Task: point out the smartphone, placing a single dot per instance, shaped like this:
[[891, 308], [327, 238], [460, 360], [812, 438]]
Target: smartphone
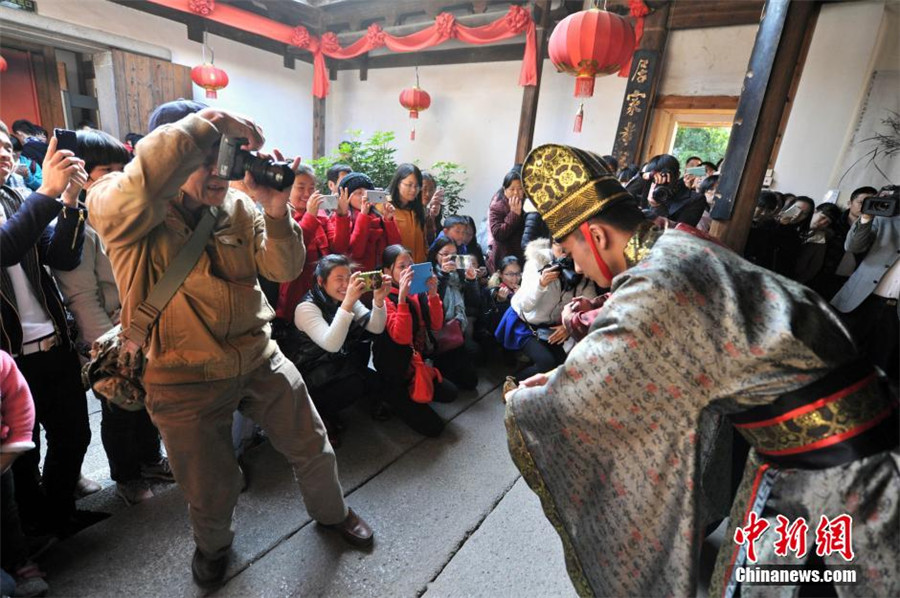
[[696, 171], [372, 280], [460, 260], [421, 273], [792, 211], [65, 139], [376, 195], [328, 202]]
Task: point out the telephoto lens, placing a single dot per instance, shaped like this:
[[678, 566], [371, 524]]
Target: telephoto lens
[[277, 175]]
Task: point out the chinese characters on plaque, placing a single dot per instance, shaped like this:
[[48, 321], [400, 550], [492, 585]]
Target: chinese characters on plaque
[[635, 113]]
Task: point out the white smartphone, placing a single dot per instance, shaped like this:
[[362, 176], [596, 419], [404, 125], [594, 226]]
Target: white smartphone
[[328, 202], [376, 195]]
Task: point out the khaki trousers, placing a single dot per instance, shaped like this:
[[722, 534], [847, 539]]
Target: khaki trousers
[[195, 423]]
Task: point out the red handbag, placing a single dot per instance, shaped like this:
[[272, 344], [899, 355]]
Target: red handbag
[[421, 386], [449, 337]]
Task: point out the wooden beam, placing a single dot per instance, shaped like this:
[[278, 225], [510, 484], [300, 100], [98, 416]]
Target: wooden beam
[[530, 95], [773, 66], [318, 127], [700, 14], [671, 102], [640, 94], [501, 52]]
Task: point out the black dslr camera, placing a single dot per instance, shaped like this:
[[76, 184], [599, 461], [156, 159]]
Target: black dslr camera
[[568, 277], [234, 162], [886, 204]]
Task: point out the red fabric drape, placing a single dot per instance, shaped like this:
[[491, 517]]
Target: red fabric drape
[[638, 10], [515, 22]]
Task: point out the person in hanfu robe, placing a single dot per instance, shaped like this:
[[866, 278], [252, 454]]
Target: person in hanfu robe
[[626, 443]]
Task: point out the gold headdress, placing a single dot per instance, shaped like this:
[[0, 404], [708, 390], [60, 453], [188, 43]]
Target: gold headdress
[[568, 186]]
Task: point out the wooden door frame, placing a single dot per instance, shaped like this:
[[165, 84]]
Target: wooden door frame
[[670, 110]]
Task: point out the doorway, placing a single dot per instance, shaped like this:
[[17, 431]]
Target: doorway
[[686, 126]]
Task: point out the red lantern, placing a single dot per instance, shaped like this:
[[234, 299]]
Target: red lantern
[[589, 44], [209, 77], [415, 100], [3, 65]]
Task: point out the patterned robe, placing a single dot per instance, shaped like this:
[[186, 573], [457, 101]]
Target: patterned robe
[[627, 445]]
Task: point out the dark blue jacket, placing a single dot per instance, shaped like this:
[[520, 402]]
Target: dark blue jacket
[[27, 239]]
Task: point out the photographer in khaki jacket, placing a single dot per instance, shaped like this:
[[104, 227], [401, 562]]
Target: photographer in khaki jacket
[[211, 352]]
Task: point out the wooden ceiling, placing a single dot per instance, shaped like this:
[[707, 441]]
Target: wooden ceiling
[[350, 18]]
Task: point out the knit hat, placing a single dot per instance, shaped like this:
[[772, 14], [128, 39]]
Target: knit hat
[[173, 111], [354, 180], [569, 185]]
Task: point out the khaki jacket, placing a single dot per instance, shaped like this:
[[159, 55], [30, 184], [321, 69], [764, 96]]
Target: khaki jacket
[[217, 324]]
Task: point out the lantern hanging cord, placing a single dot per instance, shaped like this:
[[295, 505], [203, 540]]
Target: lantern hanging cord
[[417, 75], [212, 55]]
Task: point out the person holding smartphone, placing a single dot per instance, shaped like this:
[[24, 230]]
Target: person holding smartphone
[[459, 292], [320, 238], [336, 331], [405, 190], [411, 322], [370, 231]]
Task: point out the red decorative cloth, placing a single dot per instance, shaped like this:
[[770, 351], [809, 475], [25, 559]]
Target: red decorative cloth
[[515, 22]]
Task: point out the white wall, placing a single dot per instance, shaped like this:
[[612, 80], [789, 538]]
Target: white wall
[[279, 99], [707, 62], [838, 68], [474, 117]]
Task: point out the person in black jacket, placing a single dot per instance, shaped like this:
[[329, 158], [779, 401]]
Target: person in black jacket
[[336, 331], [535, 228], [35, 332]]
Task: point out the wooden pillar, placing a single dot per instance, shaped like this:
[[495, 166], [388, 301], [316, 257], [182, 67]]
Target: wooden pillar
[[774, 64], [530, 94], [640, 94], [318, 127]]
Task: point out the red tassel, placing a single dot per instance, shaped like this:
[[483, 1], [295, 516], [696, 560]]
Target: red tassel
[[579, 118], [412, 133], [584, 87]]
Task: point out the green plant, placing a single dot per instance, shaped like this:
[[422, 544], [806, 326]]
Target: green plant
[[451, 177], [373, 156], [709, 143]]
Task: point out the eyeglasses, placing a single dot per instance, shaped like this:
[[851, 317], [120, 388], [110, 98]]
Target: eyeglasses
[[513, 274], [409, 186]]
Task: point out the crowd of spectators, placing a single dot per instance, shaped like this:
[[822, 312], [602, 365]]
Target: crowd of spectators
[[336, 284]]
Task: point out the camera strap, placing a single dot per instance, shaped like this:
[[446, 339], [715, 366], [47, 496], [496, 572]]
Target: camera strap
[[148, 311], [589, 239]]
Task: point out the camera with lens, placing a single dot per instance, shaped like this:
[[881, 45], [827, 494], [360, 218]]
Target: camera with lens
[[568, 277], [886, 204], [663, 195], [234, 163]]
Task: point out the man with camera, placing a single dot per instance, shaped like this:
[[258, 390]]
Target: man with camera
[[868, 299], [210, 351]]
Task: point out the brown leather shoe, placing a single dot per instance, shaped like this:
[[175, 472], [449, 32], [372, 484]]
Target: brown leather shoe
[[355, 530]]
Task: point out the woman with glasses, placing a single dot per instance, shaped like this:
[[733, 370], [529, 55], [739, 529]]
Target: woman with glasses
[[406, 195]]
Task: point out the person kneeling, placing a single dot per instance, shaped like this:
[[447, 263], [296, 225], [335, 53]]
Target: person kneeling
[[399, 353], [336, 331]]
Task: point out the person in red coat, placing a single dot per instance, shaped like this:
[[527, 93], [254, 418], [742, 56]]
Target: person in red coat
[[322, 236], [370, 231]]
